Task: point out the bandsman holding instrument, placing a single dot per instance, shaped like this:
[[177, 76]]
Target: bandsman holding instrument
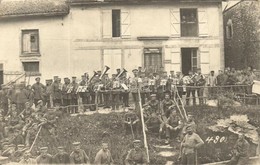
[[107, 86], [74, 95], [84, 93], [115, 92], [124, 81], [190, 82], [56, 93], [65, 95]]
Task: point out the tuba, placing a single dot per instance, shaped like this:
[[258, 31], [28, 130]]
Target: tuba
[[95, 73], [121, 73], [104, 72]]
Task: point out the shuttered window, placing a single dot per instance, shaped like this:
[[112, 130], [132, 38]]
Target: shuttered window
[[152, 58], [189, 22], [30, 41]]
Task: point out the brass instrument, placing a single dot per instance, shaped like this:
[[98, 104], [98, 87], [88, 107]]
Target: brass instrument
[[104, 72], [121, 73], [95, 73]]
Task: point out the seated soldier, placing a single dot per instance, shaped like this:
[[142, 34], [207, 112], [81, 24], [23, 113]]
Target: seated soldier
[[2, 127], [40, 107], [26, 159], [173, 127], [26, 113], [152, 106], [44, 157], [131, 122], [62, 157], [18, 154], [167, 105], [136, 155], [153, 123], [78, 156], [13, 123], [8, 151]]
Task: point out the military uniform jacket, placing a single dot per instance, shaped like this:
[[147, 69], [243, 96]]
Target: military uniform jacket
[[130, 117], [38, 89], [79, 157], [55, 91], [61, 158], [134, 85], [66, 95], [46, 159], [154, 106], [74, 91], [28, 161], [84, 94], [136, 157], [103, 158]]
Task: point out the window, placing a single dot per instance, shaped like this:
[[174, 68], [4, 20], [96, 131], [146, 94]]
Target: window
[[116, 23], [153, 58], [229, 29], [30, 41], [189, 22], [31, 67], [190, 60]]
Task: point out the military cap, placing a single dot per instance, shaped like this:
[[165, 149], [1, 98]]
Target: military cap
[[153, 95], [43, 148], [27, 102], [40, 101], [76, 143], [130, 108], [134, 70], [106, 74], [164, 71], [55, 77], [48, 80], [20, 145], [11, 145], [171, 70], [188, 128], [60, 147], [66, 78], [137, 141], [99, 71], [74, 77], [37, 78], [83, 75]]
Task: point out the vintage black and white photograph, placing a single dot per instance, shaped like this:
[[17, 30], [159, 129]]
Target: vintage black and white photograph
[[130, 82]]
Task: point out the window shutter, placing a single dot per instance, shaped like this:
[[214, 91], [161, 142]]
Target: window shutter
[[26, 43], [176, 59], [205, 60], [203, 23], [107, 23], [175, 22], [112, 59], [34, 42], [125, 24]]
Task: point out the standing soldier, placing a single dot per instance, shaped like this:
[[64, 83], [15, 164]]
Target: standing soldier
[[85, 94], [78, 156], [44, 157], [189, 81], [65, 95], [47, 93], [136, 155], [21, 97], [4, 100], [56, 93], [107, 86], [115, 92], [125, 92], [62, 157], [163, 86], [38, 89], [104, 157], [212, 82], [200, 82], [134, 86], [74, 95], [189, 145]]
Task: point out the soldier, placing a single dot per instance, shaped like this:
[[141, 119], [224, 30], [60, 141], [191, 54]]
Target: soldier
[[85, 96], [47, 93], [26, 159], [17, 156], [200, 82], [131, 122], [212, 82], [65, 95], [163, 86], [26, 113], [13, 123], [41, 108], [167, 105], [62, 157], [189, 145], [11, 92], [189, 81], [136, 155], [221, 78], [78, 156], [21, 97], [44, 157], [104, 157], [125, 93], [118, 71], [134, 86], [241, 151], [107, 86], [174, 126], [152, 106], [4, 100], [56, 93], [38, 89], [115, 92], [144, 87]]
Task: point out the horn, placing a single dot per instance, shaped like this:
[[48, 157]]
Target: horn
[[95, 73], [104, 72], [121, 73]]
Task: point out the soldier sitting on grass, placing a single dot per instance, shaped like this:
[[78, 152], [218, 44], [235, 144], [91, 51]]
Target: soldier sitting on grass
[[136, 155]]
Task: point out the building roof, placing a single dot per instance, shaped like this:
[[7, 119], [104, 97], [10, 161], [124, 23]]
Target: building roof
[[15, 8]]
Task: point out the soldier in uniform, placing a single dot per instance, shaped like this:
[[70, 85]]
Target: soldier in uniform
[[56, 93], [115, 92], [62, 157], [47, 93], [189, 81], [134, 86], [44, 157], [4, 100], [85, 96], [74, 95], [21, 97], [26, 159], [38, 89], [167, 105], [78, 156], [125, 94], [174, 126], [131, 122], [107, 86], [14, 122], [136, 155], [65, 95], [152, 106], [104, 157], [118, 71], [200, 82], [17, 155]]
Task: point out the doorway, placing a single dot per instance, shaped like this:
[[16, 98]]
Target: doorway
[[189, 60]]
